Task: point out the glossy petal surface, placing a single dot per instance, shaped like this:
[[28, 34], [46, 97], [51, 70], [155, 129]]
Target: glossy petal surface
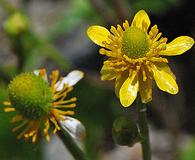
[[98, 35], [71, 79], [107, 73], [164, 79], [129, 89], [145, 90], [120, 79], [140, 17], [178, 46]]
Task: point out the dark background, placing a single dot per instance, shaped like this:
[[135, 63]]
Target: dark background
[[58, 40]]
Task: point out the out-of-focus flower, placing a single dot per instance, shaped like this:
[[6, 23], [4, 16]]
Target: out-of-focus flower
[[16, 24], [136, 57], [40, 105]]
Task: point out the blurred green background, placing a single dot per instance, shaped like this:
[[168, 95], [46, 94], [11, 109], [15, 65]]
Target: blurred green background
[[53, 36]]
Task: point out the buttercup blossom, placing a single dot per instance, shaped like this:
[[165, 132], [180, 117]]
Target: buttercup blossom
[[136, 57], [40, 105]]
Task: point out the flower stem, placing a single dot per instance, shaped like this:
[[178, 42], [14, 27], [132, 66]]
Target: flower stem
[[71, 144], [143, 126]]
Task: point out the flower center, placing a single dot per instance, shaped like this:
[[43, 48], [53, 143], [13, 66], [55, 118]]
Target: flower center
[[134, 43], [30, 95]]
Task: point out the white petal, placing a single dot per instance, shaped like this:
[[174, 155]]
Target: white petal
[[74, 127], [71, 79], [36, 72]]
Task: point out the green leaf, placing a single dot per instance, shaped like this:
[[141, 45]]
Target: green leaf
[[188, 153]]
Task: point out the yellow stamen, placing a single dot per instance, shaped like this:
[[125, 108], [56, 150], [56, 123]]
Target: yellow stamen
[[138, 68], [34, 138], [30, 134], [109, 53], [66, 106], [120, 30], [159, 59], [34, 131], [56, 126], [25, 130], [16, 118], [153, 32], [64, 101], [144, 73], [70, 100], [54, 77], [46, 123], [9, 109], [7, 103], [63, 93], [58, 116], [157, 37], [134, 61], [114, 31], [42, 72], [126, 24], [47, 137], [19, 126], [46, 129], [63, 112]]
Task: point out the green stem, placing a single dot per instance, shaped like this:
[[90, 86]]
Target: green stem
[[71, 145], [143, 126], [19, 51], [4, 76]]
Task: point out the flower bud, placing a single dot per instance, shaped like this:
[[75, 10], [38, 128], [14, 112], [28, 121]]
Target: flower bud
[[16, 24], [125, 131]]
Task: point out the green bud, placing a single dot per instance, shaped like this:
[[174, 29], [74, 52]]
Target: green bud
[[30, 95], [135, 43], [125, 132], [16, 24]]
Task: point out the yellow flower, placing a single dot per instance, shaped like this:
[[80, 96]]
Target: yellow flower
[[40, 105], [136, 57], [16, 24]]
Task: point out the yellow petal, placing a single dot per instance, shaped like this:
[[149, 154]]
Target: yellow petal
[[166, 68], [145, 90], [164, 78], [178, 46], [129, 89], [119, 82], [98, 35], [140, 18], [108, 73]]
